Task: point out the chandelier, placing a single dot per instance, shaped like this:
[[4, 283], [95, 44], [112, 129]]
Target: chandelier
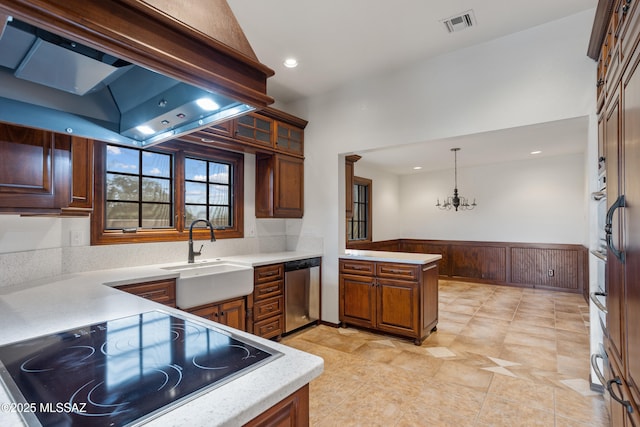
[[456, 201]]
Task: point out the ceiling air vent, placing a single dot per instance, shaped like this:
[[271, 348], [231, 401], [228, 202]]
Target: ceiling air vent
[[459, 22]]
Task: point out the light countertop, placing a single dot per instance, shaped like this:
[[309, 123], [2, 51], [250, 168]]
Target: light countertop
[[76, 300], [402, 257]]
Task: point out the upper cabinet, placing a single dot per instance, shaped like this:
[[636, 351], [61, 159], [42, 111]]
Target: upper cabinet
[[279, 186], [82, 177], [277, 140], [289, 138], [35, 170], [256, 129]]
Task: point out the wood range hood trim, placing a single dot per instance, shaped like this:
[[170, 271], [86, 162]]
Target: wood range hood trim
[[201, 44]]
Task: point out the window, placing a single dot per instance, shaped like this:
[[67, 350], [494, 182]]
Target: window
[[139, 189], [207, 192], [154, 195], [359, 226]]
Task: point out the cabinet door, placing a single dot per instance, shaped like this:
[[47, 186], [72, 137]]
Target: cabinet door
[[209, 312], [82, 160], [357, 300], [289, 138], [279, 186], [398, 306], [255, 128], [289, 187], [631, 218], [232, 313], [290, 411], [35, 170], [615, 269]]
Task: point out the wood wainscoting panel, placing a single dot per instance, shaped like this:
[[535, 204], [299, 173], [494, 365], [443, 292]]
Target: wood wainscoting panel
[[478, 262], [555, 266]]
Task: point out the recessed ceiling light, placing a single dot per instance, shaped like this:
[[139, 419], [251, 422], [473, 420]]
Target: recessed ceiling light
[[536, 152], [291, 63], [417, 168]]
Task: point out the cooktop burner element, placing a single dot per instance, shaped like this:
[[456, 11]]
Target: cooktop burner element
[[123, 371]]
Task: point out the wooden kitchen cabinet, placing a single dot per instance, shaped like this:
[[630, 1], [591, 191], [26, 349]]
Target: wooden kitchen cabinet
[[35, 170], [255, 129], [397, 298], [279, 186], [289, 138], [231, 312], [292, 411], [82, 176], [268, 301], [619, 50], [161, 291]]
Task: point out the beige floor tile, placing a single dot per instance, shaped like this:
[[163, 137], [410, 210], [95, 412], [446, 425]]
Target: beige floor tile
[[524, 338], [479, 345], [461, 374], [523, 392], [480, 368], [531, 356], [500, 412]]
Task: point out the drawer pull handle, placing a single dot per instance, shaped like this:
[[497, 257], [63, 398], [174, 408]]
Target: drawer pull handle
[[267, 290], [624, 403]]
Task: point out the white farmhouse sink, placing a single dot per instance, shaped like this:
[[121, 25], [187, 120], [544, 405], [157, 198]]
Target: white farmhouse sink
[[213, 281]]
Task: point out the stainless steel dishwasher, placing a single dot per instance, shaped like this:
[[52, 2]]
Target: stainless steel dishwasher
[[301, 293]]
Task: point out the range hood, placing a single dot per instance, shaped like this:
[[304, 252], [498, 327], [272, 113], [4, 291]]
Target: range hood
[[129, 72]]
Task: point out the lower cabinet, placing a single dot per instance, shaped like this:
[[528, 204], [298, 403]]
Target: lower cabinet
[[267, 301], [400, 299], [231, 312], [162, 291], [293, 410], [619, 397]]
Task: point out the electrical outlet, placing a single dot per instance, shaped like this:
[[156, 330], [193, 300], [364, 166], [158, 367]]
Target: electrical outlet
[[551, 272], [76, 237]]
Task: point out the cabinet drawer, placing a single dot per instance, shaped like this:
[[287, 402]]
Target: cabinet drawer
[[268, 308], [268, 273], [363, 268], [398, 271], [269, 328], [162, 291], [268, 290]]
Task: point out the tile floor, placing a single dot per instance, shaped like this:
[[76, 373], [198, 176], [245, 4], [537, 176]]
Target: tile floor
[[501, 356]]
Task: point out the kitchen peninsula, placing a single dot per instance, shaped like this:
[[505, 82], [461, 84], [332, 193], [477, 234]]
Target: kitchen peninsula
[[48, 307], [392, 292]]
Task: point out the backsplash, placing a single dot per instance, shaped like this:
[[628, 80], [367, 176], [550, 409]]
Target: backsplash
[[72, 254]]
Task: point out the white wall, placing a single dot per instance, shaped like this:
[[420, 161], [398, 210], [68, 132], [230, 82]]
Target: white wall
[[535, 201], [538, 75]]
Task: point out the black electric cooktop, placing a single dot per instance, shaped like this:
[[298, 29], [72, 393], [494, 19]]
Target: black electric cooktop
[[122, 372]]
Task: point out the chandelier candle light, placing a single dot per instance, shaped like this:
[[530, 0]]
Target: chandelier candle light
[[456, 201]]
